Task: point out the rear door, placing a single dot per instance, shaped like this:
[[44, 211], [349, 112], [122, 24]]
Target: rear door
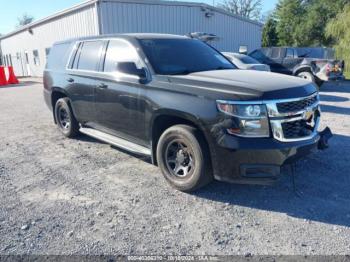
[[82, 79], [119, 107], [291, 60], [276, 56]]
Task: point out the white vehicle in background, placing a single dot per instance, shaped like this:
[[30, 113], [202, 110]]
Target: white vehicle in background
[[245, 62]]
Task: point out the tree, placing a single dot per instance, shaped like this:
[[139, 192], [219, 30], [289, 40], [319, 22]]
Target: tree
[[303, 22], [289, 14], [269, 35], [24, 20], [318, 14], [338, 29], [247, 8]]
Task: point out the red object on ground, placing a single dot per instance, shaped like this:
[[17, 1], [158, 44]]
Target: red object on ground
[[12, 77], [3, 80]]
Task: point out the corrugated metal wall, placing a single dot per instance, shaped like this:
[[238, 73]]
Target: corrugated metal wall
[[124, 17], [82, 22]]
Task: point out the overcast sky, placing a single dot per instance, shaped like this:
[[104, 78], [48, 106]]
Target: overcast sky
[[42, 8]]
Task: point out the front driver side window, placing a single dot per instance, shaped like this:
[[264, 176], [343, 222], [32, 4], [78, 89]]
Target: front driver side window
[[120, 51]]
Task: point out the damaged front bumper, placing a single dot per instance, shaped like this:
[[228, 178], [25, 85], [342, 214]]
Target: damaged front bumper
[[259, 161]]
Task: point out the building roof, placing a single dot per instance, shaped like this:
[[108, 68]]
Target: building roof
[[153, 2], [131, 35]]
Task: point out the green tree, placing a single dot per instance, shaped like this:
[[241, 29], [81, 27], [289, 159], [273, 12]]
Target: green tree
[[318, 14], [247, 8], [339, 29], [289, 14], [269, 35], [24, 20], [303, 22]]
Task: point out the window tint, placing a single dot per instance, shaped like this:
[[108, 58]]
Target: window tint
[[258, 55], [246, 59], [58, 56], [90, 55], [290, 53], [183, 56], [275, 53], [120, 51], [36, 58]]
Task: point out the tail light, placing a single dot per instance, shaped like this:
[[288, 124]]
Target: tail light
[[328, 69]]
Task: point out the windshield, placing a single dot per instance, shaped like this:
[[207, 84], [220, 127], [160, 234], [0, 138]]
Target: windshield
[[183, 56], [246, 59]]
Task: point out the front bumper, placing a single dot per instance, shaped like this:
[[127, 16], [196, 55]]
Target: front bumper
[[257, 161]]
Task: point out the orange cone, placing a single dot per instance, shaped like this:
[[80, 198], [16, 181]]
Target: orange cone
[[12, 77], [3, 80]]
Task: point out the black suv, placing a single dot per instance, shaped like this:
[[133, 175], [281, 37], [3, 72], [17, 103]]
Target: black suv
[[182, 103], [314, 64]]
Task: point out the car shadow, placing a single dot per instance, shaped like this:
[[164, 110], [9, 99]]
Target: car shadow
[[335, 109], [330, 98], [322, 192], [338, 86]]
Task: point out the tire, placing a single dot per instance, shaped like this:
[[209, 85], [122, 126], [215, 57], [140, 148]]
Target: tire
[[319, 82], [307, 76], [66, 122], [183, 157]]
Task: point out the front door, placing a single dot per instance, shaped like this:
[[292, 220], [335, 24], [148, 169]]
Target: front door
[[118, 104]]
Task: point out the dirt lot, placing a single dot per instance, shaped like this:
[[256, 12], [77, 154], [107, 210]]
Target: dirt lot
[[61, 196]]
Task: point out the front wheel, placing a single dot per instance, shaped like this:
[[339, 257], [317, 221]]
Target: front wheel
[[183, 157], [65, 119]]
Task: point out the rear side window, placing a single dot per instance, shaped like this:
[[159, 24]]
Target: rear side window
[[90, 55], [275, 53], [58, 56], [120, 51], [290, 53]]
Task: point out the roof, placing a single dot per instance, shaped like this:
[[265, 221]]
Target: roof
[[133, 35], [152, 2]]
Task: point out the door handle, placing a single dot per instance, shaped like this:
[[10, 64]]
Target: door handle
[[102, 86], [70, 80]]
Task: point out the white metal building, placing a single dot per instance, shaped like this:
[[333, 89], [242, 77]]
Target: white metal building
[[27, 48]]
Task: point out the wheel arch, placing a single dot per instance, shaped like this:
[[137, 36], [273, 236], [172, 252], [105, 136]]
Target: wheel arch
[[164, 119], [57, 93], [304, 68]]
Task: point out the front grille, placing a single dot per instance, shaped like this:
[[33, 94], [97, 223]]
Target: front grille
[[296, 106], [296, 129], [294, 120]]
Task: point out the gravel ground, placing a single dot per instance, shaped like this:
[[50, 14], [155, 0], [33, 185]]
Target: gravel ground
[[61, 196]]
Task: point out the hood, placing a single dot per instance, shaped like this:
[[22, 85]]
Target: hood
[[247, 84]]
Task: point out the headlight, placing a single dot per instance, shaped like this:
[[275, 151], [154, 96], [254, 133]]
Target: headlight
[[248, 120]]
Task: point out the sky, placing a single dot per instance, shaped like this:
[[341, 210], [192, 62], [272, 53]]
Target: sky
[[12, 9]]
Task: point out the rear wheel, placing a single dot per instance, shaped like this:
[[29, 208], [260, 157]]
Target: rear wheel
[[65, 119], [184, 159]]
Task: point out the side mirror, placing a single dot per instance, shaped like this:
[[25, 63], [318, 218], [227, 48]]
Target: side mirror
[[130, 68]]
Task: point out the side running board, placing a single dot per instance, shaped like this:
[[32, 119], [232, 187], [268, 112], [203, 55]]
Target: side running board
[[116, 141]]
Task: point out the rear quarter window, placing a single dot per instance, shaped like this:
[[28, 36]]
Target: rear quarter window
[[90, 55], [58, 57]]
